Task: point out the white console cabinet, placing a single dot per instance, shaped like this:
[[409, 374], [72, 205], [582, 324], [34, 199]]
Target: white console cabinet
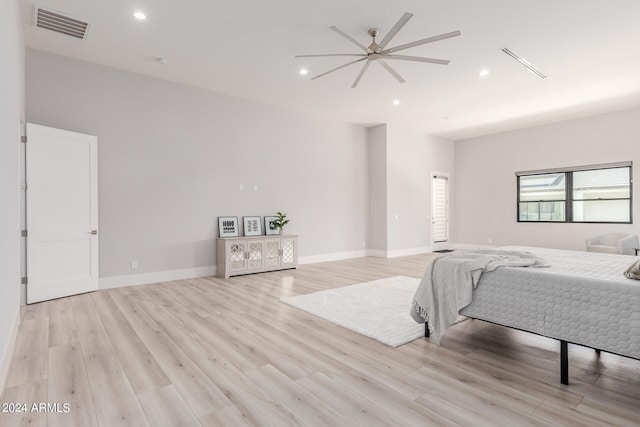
[[255, 254]]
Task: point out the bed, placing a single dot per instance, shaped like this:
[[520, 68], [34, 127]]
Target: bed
[[582, 298]]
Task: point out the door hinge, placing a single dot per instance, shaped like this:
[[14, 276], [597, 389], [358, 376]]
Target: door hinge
[[24, 233], [23, 139], [24, 281]]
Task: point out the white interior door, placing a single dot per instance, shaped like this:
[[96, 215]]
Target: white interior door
[[440, 211], [62, 213]]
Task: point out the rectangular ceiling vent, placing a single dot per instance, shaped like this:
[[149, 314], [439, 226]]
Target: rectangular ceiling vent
[[60, 23], [526, 63]]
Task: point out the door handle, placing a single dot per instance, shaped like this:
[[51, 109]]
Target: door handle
[[94, 232]]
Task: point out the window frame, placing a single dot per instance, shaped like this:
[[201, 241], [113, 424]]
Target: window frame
[[568, 193]]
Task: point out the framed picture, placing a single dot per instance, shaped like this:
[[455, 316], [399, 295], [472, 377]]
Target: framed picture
[[252, 226], [228, 226], [269, 225]]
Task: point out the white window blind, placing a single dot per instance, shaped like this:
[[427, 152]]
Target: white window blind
[[440, 209]]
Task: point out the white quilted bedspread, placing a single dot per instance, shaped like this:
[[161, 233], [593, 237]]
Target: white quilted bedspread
[[583, 298]]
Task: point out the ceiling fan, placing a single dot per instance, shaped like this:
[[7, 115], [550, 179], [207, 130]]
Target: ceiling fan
[[376, 52]]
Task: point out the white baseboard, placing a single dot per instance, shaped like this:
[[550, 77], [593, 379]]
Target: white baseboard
[[155, 277], [398, 253], [377, 253], [408, 252], [337, 256], [190, 273], [7, 356]]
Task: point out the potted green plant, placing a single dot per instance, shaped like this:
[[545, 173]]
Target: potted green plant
[[280, 221]]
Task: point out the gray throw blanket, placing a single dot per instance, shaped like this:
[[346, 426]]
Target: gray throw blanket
[[448, 283]]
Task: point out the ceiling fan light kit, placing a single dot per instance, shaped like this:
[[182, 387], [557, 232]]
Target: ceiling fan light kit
[[376, 52]]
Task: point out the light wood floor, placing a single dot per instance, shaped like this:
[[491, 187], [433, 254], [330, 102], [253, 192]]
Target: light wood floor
[[217, 352]]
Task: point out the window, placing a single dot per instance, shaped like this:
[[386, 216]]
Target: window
[[599, 193], [542, 197]]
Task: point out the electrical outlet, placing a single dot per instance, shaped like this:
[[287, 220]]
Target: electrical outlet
[[134, 265]]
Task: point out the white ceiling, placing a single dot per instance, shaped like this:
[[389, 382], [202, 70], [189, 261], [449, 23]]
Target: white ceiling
[[590, 49]]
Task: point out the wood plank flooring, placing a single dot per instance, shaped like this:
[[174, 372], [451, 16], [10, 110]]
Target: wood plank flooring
[[225, 352]]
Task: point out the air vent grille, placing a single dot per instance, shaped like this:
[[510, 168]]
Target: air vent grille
[[60, 23], [524, 62]]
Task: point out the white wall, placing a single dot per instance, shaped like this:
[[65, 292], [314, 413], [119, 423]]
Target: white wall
[[412, 157], [172, 158], [486, 183], [401, 163], [377, 139], [11, 116]]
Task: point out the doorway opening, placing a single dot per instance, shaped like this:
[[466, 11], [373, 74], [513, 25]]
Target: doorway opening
[[439, 211]]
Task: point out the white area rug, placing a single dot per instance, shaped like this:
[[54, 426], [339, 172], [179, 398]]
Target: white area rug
[[378, 309]]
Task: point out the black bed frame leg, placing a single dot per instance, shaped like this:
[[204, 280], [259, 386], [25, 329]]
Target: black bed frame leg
[[426, 329], [564, 363]]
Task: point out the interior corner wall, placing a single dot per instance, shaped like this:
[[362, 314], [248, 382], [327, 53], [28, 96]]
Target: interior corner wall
[[377, 139], [12, 103], [412, 157], [172, 158], [486, 196], [401, 162]]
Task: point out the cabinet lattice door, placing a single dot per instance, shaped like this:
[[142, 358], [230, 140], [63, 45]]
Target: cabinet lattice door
[[271, 253], [237, 257], [254, 259], [288, 251]]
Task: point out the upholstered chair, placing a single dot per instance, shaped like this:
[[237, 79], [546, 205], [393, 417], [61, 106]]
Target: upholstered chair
[[614, 243]]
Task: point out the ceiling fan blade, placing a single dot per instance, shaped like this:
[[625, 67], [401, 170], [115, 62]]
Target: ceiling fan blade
[[421, 42], [337, 68], [364, 68], [393, 72], [348, 37], [331, 54], [391, 34], [418, 59]]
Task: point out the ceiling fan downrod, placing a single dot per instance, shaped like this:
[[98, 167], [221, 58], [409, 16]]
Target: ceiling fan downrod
[[373, 32]]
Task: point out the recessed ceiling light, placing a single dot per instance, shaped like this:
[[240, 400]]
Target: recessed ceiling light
[[304, 71], [396, 102], [484, 73], [139, 15], [161, 61]]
